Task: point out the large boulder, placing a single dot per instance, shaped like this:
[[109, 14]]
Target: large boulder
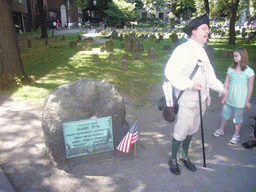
[[81, 100]]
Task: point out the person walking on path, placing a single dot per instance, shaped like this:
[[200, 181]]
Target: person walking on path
[[178, 69], [239, 82]]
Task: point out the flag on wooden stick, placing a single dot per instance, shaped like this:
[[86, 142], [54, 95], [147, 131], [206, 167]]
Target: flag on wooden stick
[[130, 138]]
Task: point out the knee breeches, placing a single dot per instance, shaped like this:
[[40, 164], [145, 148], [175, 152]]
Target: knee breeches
[[188, 119]]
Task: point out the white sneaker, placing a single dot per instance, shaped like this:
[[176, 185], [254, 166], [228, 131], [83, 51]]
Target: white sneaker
[[218, 132], [235, 139]]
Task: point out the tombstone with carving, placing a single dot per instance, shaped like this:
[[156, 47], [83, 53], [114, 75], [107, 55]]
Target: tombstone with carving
[[151, 53], [109, 46]]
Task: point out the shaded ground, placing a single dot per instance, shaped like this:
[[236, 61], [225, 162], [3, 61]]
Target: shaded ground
[[229, 167]]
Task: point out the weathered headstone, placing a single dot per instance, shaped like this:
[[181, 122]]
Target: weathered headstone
[[110, 46], [243, 34], [102, 47], [52, 33], [95, 58], [167, 47], [85, 99], [157, 41], [132, 44], [111, 57], [175, 38], [137, 57], [63, 38], [88, 45], [114, 35], [126, 57], [124, 64], [29, 43], [151, 53], [72, 44], [46, 41]]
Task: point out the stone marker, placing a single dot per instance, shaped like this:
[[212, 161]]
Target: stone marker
[[111, 57], [138, 57], [29, 43], [124, 65], [95, 58], [81, 100], [151, 53], [167, 47], [109, 46], [63, 38], [72, 44], [114, 35], [126, 57]]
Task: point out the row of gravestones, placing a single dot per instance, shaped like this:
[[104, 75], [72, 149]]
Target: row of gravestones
[[151, 55]]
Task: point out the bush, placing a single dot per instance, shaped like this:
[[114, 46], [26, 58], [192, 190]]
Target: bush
[[8, 81]]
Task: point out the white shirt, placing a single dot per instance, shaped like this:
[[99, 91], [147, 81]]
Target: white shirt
[[181, 64]]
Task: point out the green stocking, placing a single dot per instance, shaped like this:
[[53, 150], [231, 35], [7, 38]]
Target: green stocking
[[185, 146], [175, 148]]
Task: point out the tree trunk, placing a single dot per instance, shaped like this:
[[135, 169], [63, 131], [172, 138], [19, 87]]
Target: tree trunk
[[232, 32], [30, 18], [40, 5], [206, 6], [10, 58]]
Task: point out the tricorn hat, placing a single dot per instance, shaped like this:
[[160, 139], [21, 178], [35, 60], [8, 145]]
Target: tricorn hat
[[196, 23]]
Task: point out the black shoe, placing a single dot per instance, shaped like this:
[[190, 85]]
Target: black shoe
[[190, 166], [249, 144], [174, 168]]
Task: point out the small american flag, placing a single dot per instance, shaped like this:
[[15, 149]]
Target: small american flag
[[130, 138]]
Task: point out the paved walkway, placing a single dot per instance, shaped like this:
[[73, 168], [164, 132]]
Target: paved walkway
[[24, 161]]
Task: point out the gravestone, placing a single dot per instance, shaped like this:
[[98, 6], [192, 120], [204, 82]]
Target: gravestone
[[95, 58], [102, 47], [88, 45], [79, 38], [85, 99], [111, 57], [137, 57], [63, 38], [167, 47], [175, 38], [109, 46], [29, 43], [72, 44], [126, 57], [243, 34], [124, 64], [157, 41], [132, 44], [114, 35], [151, 53], [52, 33]]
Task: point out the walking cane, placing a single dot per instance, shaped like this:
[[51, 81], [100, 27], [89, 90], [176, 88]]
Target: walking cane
[[202, 130]]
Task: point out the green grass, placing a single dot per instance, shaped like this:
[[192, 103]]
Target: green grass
[[56, 64]]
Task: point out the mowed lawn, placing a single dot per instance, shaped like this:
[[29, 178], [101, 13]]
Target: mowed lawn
[[56, 64]]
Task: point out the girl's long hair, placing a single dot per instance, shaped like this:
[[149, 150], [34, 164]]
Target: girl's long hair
[[245, 59]]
